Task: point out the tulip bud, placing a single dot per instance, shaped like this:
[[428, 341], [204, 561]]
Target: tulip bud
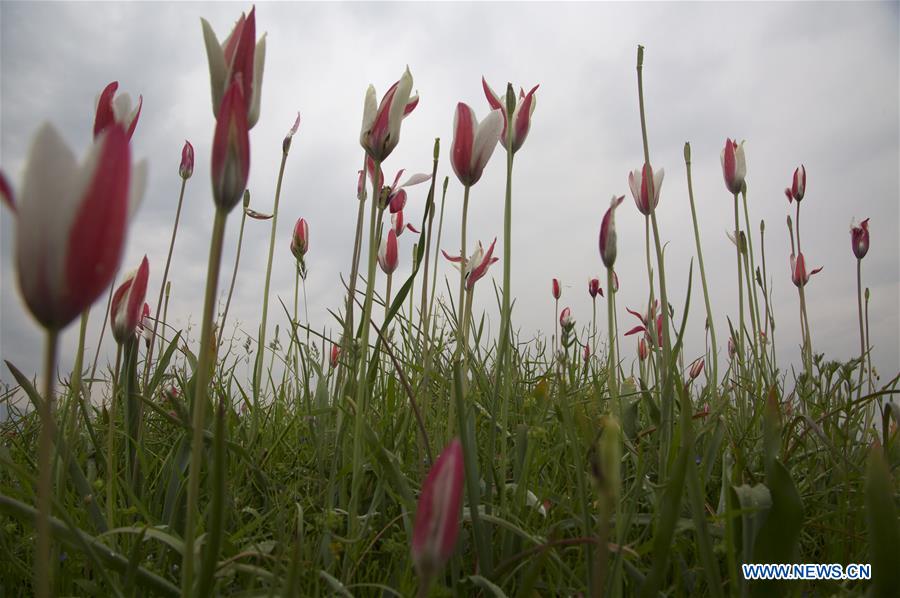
[[335, 355], [380, 131], [643, 349], [798, 186], [640, 182], [555, 288], [127, 302], [437, 514], [300, 239], [231, 150], [734, 165], [696, 368], [587, 353], [186, 169], [565, 319], [859, 235], [286, 144], [608, 233], [388, 258], [118, 110], [594, 288], [473, 143]]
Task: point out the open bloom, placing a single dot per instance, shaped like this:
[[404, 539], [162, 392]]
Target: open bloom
[[240, 58], [476, 266], [565, 319], [300, 239], [392, 196], [521, 117], [798, 186], [594, 287], [71, 224], [231, 150], [388, 258], [734, 165], [116, 109], [186, 169], [555, 288], [639, 181], [380, 131], [608, 233], [646, 324], [798, 271], [437, 514], [473, 143], [125, 310], [859, 235]]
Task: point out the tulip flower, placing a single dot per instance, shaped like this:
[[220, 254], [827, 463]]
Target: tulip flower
[[643, 349], [734, 165], [594, 287], [388, 257], [859, 235], [231, 150], [798, 187], [125, 310], [476, 266], [639, 181], [397, 223], [335, 355], [72, 220], [521, 117], [473, 143], [555, 286], [300, 239], [798, 271], [116, 110], [565, 319], [286, 143], [646, 321], [437, 514], [380, 131], [608, 233], [145, 327], [696, 368], [241, 58], [186, 169]]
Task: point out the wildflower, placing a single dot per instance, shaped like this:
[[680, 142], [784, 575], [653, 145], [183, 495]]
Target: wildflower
[[645, 324], [798, 186], [798, 271], [118, 110], [565, 319], [555, 288], [186, 169], [388, 258], [521, 117], [125, 309], [286, 143], [608, 233], [859, 235], [231, 150], [476, 266], [639, 181], [643, 350], [300, 239], [473, 143], [335, 355], [380, 131], [594, 288], [696, 368], [437, 514], [734, 165]]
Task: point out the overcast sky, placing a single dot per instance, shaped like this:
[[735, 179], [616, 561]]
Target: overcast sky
[[801, 82]]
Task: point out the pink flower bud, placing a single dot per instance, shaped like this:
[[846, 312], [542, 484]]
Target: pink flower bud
[[608, 233], [473, 143], [587, 353], [798, 271], [639, 181], [300, 239], [388, 257], [696, 368], [798, 186], [734, 165], [127, 302], [643, 350], [231, 150], [565, 318], [111, 109], [555, 288], [187, 161], [859, 235], [380, 131], [521, 117], [437, 515], [335, 355], [594, 288], [71, 222]]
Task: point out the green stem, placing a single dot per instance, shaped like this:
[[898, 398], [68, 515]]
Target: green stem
[[237, 261], [43, 570], [737, 244], [162, 285], [868, 352], [112, 473], [752, 295], [462, 270], [201, 391], [112, 286]]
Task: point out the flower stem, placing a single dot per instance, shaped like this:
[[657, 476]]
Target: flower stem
[[237, 261], [200, 396], [43, 571], [462, 272], [737, 248], [862, 334]]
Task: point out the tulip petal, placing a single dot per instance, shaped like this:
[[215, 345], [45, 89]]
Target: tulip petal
[[217, 68], [259, 63]]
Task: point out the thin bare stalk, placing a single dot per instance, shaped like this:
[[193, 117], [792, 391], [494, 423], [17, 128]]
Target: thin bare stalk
[[237, 261], [462, 270], [43, 570]]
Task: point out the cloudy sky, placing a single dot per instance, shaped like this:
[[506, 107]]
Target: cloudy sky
[[802, 82]]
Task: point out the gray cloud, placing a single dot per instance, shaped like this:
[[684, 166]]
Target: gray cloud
[[802, 83]]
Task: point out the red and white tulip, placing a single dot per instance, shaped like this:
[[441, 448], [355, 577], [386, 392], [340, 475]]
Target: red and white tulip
[[437, 515], [476, 266], [639, 181], [300, 239], [186, 168], [521, 117], [113, 109], [859, 237], [608, 233], [388, 256], [734, 165], [473, 142], [380, 131], [799, 274], [798, 186], [594, 287], [555, 288], [231, 150], [125, 310]]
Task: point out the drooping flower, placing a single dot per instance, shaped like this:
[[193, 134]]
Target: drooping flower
[[608, 233], [125, 310], [72, 221], [186, 169], [859, 237], [231, 150], [639, 182], [300, 239], [473, 143], [798, 270], [734, 165], [116, 109], [555, 288], [380, 131], [594, 287], [521, 117], [798, 186], [437, 515], [476, 266], [388, 257], [240, 58]]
